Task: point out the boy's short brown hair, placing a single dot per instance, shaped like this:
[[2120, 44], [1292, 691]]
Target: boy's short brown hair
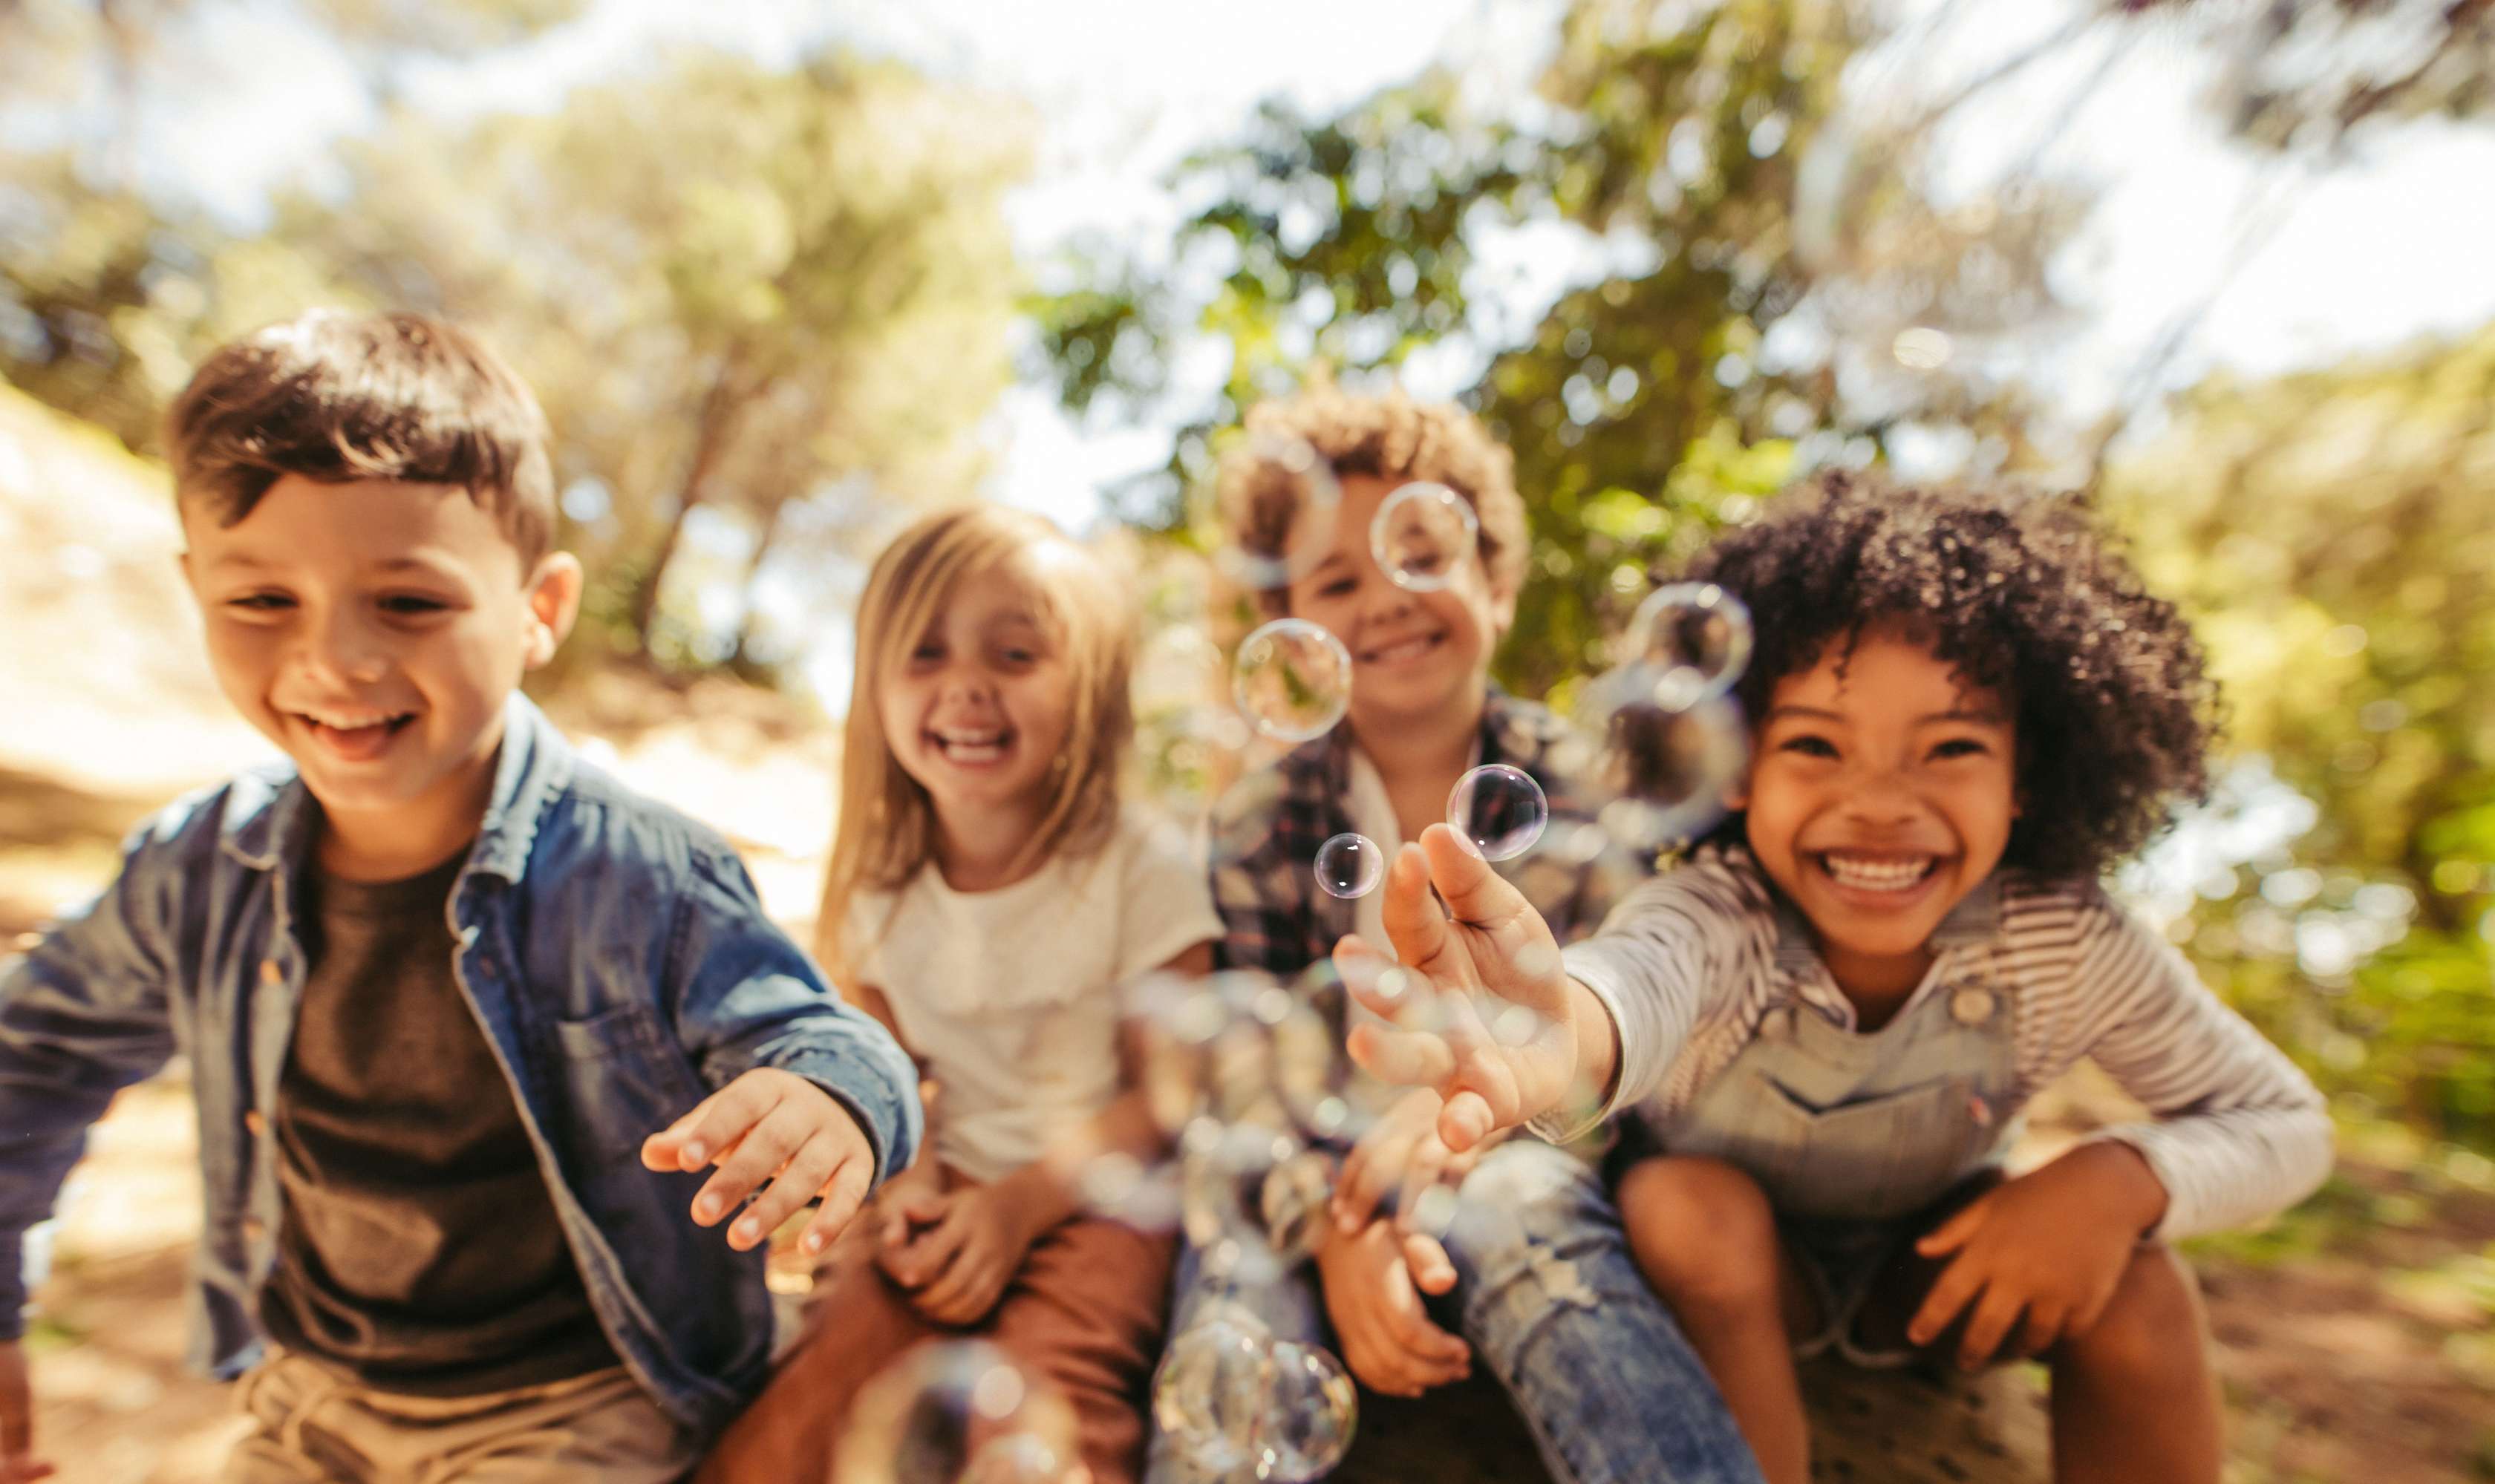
[[1386, 436], [337, 398]]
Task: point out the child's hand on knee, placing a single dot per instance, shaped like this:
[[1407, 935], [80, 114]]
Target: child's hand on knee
[[1401, 1153], [2038, 1259], [957, 1269], [770, 1127], [1462, 965], [1372, 1296]]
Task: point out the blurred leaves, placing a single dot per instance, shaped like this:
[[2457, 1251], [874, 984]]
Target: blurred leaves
[[733, 287], [2334, 534]]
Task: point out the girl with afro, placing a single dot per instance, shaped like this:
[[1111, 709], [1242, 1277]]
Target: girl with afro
[[1819, 1030]]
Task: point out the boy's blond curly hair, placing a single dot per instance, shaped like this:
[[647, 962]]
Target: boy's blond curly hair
[[1387, 436]]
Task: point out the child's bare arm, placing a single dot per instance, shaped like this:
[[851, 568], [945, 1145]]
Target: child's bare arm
[[1461, 963]]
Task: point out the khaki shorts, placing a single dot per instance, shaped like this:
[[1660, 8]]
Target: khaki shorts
[[312, 1425]]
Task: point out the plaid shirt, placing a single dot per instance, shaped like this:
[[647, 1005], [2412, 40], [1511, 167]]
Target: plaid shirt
[[1266, 828]]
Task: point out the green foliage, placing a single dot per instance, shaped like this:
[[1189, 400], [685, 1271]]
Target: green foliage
[[2332, 533], [734, 287]]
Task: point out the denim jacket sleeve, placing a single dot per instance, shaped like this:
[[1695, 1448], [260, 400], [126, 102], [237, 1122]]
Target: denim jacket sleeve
[[84, 1014], [748, 997]]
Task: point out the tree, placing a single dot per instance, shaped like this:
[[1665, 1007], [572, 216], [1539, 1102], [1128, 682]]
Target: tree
[[2332, 532], [735, 289], [1648, 404]]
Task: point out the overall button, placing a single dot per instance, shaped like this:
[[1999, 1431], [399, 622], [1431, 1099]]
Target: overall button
[[271, 973], [1778, 1024], [253, 1228], [1971, 1006], [256, 1125]]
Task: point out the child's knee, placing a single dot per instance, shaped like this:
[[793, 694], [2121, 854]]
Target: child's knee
[[2153, 1318], [1702, 1231]]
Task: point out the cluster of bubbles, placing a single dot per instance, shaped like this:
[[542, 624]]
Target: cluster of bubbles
[[1671, 739], [1240, 1402]]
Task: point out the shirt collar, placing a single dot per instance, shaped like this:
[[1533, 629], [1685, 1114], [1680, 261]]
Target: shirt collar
[[533, 766]]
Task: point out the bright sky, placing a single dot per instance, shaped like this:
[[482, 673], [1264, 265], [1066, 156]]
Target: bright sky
[[2385, 249]]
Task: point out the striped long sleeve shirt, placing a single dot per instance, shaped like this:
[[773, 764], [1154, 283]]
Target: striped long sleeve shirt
[[1691, 964]]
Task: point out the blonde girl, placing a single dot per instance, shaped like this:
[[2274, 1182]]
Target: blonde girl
[[988, 894]]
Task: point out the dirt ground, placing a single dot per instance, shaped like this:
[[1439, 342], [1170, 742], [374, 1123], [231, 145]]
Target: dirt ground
[[2355, 1338]]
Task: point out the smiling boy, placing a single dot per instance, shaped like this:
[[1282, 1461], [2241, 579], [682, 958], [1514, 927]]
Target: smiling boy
[[463, 1015], [1534, 1275]]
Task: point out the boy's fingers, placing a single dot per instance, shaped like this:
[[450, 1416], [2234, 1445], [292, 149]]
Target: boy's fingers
[[1433, 1272], [1958, 1283], [1412, 1329], [663, 1150], [1363, 1183], [806, 1171], [841, 1201], [723, 1118], [758, 1156], [1422, 1169]]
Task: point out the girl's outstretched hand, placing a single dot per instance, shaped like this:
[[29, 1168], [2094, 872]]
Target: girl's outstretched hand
[[1479, 1008]]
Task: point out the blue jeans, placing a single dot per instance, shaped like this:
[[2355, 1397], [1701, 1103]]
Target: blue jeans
[[1552, 1302]]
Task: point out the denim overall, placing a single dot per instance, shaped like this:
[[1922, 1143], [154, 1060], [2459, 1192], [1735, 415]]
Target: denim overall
[[1850, 1133]]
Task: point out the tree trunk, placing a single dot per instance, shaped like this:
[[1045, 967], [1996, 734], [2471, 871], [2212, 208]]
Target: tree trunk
[[720, 405], [762, 544]]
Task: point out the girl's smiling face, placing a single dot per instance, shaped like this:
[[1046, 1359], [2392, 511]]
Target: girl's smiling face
[[978, 710], [1882, 790]]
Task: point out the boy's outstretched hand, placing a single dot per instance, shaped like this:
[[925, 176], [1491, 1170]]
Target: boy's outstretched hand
[[771, 1126], [1469, 968]]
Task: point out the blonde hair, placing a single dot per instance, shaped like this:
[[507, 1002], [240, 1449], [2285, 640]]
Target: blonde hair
[[1389, 437], [887, 829]]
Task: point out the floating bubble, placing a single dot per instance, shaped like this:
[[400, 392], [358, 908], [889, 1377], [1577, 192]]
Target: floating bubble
[[1693, 638], [1498, 810], [1238, 1403], [956, 1413], [1274, 504], [1215, 1383], [1311, 1417], [1666, 774], [1421, 535], [1350, 865], [1292, 679], [1291, 1203]]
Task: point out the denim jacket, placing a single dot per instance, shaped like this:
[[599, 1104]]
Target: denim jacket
[[613, 951]]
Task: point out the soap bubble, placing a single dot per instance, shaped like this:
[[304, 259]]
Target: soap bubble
[[1209, 1396], [1308, 1421], [1237, 1402], [1292, 679], [1498, 810], [1291, 1203], [1666, 774], [1350, 865], [1275, 507], [1692, 640], [956, 1413], [1422, 535]]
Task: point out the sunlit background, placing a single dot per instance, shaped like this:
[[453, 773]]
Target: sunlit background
[[784, 274]]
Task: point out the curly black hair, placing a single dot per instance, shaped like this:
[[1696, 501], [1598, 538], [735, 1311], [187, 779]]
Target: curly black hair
[[2025, 595]]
